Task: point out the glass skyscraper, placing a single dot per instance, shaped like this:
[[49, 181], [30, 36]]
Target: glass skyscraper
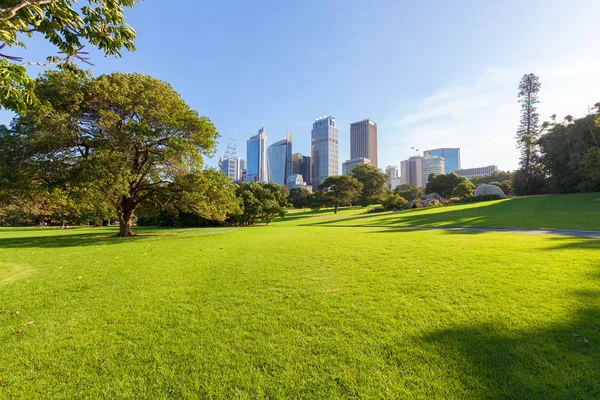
[[279, 160], [256, 157], [451, 157], [324, 149]]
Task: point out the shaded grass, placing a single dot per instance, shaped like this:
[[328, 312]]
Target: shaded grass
[[292, 311]]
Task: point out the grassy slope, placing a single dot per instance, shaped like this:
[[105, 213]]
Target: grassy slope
[[573, 211], [298, 311]]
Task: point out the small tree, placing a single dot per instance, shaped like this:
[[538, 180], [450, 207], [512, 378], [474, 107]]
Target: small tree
[[409, 192], [393, 202], [463, 190], [443, 184], [374, 183], [341, 189], [259, 202], [300, 197]]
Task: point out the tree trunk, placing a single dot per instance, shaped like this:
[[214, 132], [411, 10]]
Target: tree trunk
[[335, 208], [126, 217]]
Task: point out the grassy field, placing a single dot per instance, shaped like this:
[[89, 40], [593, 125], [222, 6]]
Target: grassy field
[[298, 309]]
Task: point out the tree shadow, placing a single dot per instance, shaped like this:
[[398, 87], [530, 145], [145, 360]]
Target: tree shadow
[[71, 240], [560, 361]]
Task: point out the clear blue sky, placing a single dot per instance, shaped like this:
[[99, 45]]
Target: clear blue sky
[[432, 74]]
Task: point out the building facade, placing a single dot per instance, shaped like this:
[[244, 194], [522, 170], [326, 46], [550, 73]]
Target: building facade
[[279, 160], [324, 150], [432, 165], [363, 140], [230, 167], [451, 157], [349, 165], [256, 157], [411, 171], [296, 181], [301, 165], [479, 171], [392, 172]]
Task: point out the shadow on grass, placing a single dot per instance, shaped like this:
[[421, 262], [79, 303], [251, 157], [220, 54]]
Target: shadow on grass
[[560, 361], [71, 240]]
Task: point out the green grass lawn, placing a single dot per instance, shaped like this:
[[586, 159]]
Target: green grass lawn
[[572, 211], [301, 310]]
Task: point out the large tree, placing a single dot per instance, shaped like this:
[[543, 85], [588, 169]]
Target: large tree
[[374, 183], [409, 192], [528, 178], [100, 23], [443, 184], [341, 190], [259, 202], [126, 137]]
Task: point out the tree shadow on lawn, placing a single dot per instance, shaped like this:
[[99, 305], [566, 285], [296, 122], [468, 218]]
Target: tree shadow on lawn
[[71, 240], [559, 361]]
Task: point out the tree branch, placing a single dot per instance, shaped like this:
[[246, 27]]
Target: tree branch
[[12, 11]]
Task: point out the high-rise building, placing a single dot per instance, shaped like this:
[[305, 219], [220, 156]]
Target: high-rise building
[[349, 165], [451, 157], [279, 160], [479, 171], [256, 157], [412, 171], [301, 165], [324, 149], [363, 140], [432, 165], [296, 181], [242, 169], [391, 171], [229, 163]]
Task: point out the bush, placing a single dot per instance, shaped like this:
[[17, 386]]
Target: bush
[[464, 190], [477, 199], [375, 210], [393, 202]]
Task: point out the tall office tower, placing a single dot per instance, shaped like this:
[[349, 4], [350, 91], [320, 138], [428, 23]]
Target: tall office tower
[[432, 164], [451, 157], [349, 165], [242, 169], [324, 150], [363, 140], [301, 166], [412, 171], [279, 160], [391, 171], [256, 157], [229, 162]]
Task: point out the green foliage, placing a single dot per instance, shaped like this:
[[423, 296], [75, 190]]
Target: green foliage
[[409, 192], [374, 182], [122, 139], [497, 176], [260, 202], [393, 202], [300, 197], [443, 184], [463, 190], [341, 190], [318, 200], [100, 23], [590, 170]]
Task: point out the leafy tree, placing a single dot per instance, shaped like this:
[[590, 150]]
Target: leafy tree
[[393, 202], [300, 197], [504, 185], [529, 178], [497, 176], [464, 190], [409, 192], [259, 202], [374, 183], [590, 170], [318, 200], [100, 23], [281, 193], [129, 137], [443, 184], [340, 190]]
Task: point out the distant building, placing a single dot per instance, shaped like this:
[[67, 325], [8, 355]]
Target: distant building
[[392, 172], [279, 160], [432, 165], [451, 157], [230, 168], [363, 140], [242, 169], [412, 171], [324, 149], [256, 157], [295, 181], [480, 171], [395, 182], [349, 165], [301, 165], [404, 172]]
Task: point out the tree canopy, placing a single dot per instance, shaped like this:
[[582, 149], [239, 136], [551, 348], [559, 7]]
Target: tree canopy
[[100, 23], [373, 183], [341, 190], [409, 192], [120, 139], [443, 184], [300, 197], [260, 202]]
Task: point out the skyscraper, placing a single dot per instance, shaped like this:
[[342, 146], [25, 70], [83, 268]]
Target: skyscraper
[[279, 160], [324, 149], [301, 166], [363, 140], [412, 171], [432, 165], [256, 157], [349, 165], [391, 171], [229, 163], [451, 157]]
